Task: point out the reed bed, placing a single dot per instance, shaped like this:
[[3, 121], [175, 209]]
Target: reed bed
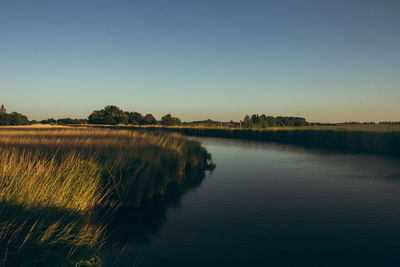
[[337, 127], [57, 187], [364, 138]]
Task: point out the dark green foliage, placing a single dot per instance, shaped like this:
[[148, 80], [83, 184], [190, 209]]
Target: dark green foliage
[[256, 121], [3, 110], [71, 121], [390, 122], [4, 119], [113, 115], [212, 123], [14, 118], [109, 115], [18, 119], [134, 117], [169, 120], [48, 121], [64, 121], [149, 119]]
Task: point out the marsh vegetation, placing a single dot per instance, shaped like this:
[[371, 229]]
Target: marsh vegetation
[[376, 138], [58, 187]]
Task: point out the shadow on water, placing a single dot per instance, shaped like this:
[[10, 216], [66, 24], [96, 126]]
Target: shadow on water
[[139, 225]]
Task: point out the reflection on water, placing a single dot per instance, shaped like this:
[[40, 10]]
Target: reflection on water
[[270, 205], [139, 225]]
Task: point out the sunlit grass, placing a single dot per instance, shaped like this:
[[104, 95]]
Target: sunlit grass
[[46, 206], [54, 182]]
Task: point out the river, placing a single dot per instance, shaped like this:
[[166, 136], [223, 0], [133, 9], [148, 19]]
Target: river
[[270, 204]]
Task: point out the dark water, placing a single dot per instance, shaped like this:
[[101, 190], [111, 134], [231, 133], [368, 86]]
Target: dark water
[[270, 205]]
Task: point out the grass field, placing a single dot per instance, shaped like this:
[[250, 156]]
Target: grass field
[[58, 187]]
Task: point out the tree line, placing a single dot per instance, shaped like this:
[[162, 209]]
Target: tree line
[[263, 121], [372, 122], [63, 121], [113, 115]]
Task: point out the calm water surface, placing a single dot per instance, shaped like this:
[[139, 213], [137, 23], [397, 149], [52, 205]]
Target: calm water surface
[[270, 205]]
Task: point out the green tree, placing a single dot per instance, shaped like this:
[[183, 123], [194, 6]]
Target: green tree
[[18, 119], [169, 120], [14, 118], [257, 121], [109, 115], [134, 117], [149, 119], [246, 122], [2, 110], [4, 119]]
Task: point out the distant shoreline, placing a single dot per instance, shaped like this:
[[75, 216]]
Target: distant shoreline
[[366, 138]]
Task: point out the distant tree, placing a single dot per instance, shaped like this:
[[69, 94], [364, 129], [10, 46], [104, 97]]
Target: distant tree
[[390, 122], [4, 119], [149, 119], [166, 120], [134, 117], [254, 119], [18, 119], [169, 120], [3, 110], [14, 118], [271, 121], [262, 121], [65, 121], [246, 123], [51, 121], [109, 115]]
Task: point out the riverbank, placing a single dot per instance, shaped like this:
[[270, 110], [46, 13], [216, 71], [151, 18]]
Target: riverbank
[[361, 138], [58, 187], [266, 201]]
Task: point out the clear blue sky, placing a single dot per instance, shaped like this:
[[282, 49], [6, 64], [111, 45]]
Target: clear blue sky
[[323, 60]]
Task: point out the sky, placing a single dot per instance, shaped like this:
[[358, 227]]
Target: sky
[[327, 61]]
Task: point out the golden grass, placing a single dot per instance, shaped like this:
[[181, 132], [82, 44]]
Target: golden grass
[[54, 181], [45, 206]]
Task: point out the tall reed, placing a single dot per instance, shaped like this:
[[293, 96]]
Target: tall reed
[[55, 182], [365, 138], [45, 208]]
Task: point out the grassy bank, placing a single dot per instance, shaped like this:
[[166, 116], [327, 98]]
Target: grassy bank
[[364, 138], [56, 184]]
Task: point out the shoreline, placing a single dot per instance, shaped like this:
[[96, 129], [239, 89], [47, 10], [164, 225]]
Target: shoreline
[[385, 142]]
